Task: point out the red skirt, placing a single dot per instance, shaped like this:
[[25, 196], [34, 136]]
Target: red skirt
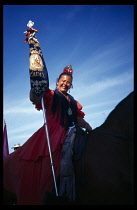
[[27, 171]]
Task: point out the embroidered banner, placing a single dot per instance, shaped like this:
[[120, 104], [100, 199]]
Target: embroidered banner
[[38, 71]]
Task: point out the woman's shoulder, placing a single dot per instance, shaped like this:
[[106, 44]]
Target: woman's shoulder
[[70, 97], [79, 107]]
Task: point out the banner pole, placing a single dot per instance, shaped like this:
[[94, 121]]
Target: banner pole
[[48, 141]]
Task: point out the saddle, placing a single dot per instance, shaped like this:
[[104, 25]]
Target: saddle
[[72, 149]]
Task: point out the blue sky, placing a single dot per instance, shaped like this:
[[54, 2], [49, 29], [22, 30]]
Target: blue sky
[[97, 40]]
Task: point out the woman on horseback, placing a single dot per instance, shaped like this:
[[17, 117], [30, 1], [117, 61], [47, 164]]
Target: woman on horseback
[[30, 166], [31, 161]]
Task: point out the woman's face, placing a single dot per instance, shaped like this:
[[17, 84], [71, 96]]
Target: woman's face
[[64, 83]]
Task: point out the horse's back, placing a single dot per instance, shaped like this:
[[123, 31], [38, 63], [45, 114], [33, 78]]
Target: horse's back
[[109, 155], [110, 169]]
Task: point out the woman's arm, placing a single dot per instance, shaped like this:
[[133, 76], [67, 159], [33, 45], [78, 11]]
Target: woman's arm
[[82, 123], [48, 97]]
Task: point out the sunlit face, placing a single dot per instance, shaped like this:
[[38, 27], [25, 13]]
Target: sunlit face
[[64, 83]]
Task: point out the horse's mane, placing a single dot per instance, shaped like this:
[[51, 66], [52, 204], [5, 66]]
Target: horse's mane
[[123, 106], [122, 116]]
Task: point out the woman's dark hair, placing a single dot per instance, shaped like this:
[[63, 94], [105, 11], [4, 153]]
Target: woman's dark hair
[[64, 73]]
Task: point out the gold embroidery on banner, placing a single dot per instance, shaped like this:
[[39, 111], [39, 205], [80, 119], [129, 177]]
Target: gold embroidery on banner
[[37, 45], [35, 51], [36, 62], [31, 41], [36, 74]]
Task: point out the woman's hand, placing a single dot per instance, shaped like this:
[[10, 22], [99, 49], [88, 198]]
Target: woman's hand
[[88, 127], [82, 123]]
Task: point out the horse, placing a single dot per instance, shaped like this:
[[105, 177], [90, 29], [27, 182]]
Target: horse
[[108, 161]]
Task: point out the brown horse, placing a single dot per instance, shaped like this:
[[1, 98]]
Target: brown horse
[[109, 160], [108, 164]]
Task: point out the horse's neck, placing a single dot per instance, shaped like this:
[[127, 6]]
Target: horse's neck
[[120, 120], [111, 127], [118, 126]]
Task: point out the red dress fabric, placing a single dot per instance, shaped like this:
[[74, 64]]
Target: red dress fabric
[[27, 171]]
